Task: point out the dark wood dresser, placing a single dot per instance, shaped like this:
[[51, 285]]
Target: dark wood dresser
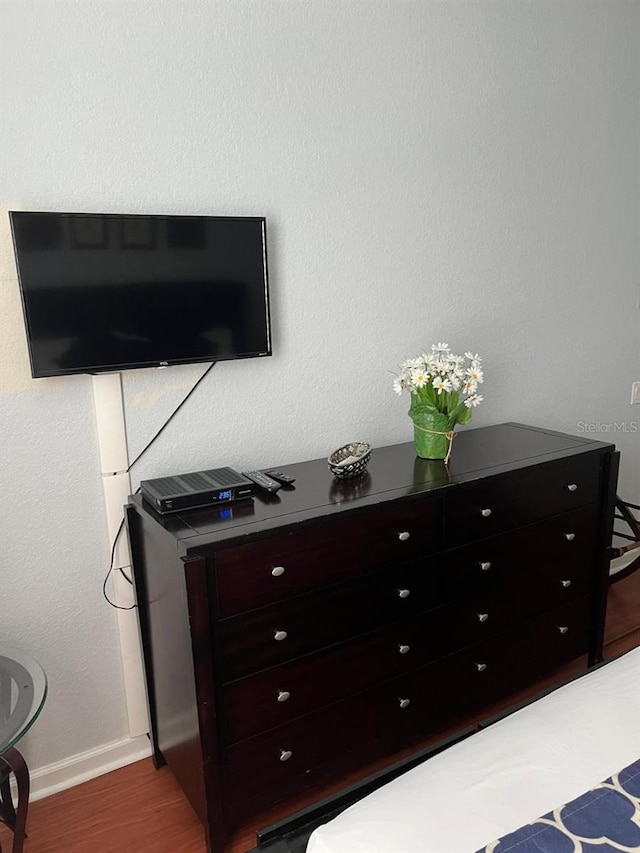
[[294, 638]]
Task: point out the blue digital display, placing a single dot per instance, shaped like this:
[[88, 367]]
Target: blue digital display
[[224, 496]]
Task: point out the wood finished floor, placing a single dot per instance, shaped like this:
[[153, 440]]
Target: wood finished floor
[[141, 810]]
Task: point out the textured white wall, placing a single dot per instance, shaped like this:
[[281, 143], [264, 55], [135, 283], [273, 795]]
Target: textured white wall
[[460, 171]]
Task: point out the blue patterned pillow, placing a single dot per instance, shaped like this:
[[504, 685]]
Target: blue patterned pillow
[[604, 820]]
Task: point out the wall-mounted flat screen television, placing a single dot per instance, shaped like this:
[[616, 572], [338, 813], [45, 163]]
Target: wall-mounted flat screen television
[[109, 292]]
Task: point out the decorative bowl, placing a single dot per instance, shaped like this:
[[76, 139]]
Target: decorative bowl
[[350, 460]]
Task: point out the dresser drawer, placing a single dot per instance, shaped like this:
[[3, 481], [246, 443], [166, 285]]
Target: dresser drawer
[[504, 502], [278, 567], [533, 649], [494, 667], [529, 570], [404, 708], [271, 764], [281, 693], [553, 558], [271, 635]]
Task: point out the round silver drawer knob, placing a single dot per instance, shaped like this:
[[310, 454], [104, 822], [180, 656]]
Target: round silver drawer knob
[[283, 695], [404, 649], [485, 513], [566, 584], [404, 703], [481, 667], [285, 754], [569, 536], [276, 571], [485, 566], [572, 487], [404, 535], [482, 617], [404, 593], [563, 629], [280, 635]]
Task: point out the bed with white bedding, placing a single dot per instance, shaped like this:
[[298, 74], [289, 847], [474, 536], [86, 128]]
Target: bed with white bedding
[[506, 776], [522, 769]]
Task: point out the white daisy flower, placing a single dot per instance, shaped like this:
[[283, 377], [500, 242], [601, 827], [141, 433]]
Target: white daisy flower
[[398, 385], [473, 401], [441, 383], [475, 373], [470, 386], [474, 357], [440, 348], [419, 378]]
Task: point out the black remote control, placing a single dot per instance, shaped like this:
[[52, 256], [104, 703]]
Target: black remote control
[[262, 481], [285, 479]]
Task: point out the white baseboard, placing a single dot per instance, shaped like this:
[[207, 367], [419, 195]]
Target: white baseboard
[[87, 765]]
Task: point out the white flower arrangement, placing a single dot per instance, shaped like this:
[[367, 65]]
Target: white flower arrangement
[[442, 386]]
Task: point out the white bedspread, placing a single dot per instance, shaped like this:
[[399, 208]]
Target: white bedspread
[[507, 775]]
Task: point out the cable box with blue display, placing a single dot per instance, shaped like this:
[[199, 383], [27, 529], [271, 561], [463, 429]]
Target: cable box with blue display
[[196, 490]]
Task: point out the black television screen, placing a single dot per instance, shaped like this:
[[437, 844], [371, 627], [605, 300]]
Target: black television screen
[[111, 292]]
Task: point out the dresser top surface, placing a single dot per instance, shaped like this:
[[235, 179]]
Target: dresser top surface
[[393, 472]]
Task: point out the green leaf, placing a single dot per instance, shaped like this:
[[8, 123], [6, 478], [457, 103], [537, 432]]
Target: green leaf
[[419, 406], [463, 414], [429, 393]]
